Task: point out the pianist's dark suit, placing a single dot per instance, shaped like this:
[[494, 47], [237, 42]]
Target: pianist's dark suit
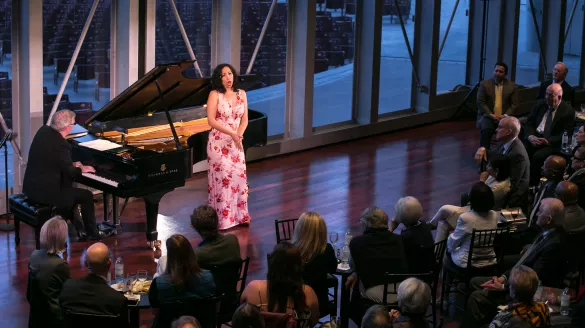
[[49, 176]]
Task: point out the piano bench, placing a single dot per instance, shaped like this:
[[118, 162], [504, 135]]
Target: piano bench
[[31, 213]]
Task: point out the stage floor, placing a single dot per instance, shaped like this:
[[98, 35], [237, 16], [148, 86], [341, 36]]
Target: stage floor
[[433, 163]]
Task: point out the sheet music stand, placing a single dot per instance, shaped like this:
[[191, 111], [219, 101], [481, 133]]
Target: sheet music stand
[[4, 143]]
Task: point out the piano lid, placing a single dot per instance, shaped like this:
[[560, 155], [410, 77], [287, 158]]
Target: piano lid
[[144, 96]]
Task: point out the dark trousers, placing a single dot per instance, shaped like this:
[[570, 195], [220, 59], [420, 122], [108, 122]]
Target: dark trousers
[[482, 306], [83, 198], [537, 157], [487, 128]]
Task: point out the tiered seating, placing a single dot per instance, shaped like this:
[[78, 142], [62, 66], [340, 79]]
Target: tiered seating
[[196, 18]]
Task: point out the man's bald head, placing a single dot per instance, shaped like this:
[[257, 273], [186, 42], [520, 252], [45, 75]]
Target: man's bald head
[[567, 192], [551, 213], [555, 89], [554, 95], [97, 259], [554, 167]]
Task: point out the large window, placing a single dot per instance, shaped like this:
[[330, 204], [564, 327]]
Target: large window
[[334, 49], [395, 64], [6, 81], [170, 46], [270, 62], [572, 56], [88, 88], [453, 55], [528, 57]]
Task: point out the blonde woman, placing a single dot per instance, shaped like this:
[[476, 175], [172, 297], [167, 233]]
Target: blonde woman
[[47, 272], [310, 238]]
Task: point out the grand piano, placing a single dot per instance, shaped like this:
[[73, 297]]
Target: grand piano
[[144, 142]]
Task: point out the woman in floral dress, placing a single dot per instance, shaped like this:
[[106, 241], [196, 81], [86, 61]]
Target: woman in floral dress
[[227, 114]]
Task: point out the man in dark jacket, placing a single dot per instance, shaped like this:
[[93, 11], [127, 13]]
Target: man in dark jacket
[[560, 72], [49, 174]]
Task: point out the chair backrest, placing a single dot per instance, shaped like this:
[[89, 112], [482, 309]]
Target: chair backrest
[[278, 320], [482, 240], [284, 229], [75, 320], [230, 280], [203, 309], [440, 248], [393, 281]]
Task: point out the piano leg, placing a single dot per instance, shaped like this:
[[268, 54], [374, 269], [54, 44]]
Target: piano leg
[[106, 197], [115, 217], [151, 203]]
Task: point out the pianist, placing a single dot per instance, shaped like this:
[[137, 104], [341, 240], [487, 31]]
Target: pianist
[[49, 175]]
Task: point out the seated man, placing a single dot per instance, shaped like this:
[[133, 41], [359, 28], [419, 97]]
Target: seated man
[[496, 97], [215, 249], [552, 171], [560, 72], [513, 149], [568, 193], [545, 126], [377, 316], [544, 256], [373, 254], [49, 175], [92, 294], [419, 246]]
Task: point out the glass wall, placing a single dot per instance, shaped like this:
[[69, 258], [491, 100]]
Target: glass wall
[[267, 96], [170, 46], [88, 88], [334, 51], [528, 57], [572, 51], [453, 56], [6, 83], [395, 65]]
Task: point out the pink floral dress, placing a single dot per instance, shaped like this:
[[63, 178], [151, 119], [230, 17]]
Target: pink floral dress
[[228, 191]]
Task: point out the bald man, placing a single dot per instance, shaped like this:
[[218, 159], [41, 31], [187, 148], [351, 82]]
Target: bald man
[[553, 170], [560, 72], [91, 294], [568, 193], [544, 128]]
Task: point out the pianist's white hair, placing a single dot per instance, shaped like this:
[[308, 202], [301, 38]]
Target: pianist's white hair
[[62, 119]]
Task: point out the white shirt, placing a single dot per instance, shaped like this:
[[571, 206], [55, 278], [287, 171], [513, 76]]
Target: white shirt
[[507, 145]]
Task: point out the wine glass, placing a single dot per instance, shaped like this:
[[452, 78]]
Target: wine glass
[[335, 322], [333, 237], [141, 275], [130, 280]]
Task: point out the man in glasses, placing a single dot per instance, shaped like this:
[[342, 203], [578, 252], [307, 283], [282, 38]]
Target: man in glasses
[[559, 76], [49, 174], [545, 126]]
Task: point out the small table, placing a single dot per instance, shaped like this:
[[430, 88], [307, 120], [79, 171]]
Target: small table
[[344, 299]]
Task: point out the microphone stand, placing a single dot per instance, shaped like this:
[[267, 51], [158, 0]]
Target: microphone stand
[[4, 143]]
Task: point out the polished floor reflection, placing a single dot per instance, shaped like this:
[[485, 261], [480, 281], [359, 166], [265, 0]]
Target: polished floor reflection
[[433, 163]]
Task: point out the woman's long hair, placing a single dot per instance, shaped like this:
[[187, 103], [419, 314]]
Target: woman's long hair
[[216, 83], [181, 261], [310, 236], [285, 278]]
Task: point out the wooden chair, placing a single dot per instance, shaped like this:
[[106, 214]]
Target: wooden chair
[[230, 280], [284, 229], [203, 309], [75, 320]]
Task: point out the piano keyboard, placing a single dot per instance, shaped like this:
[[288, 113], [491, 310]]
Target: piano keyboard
[[100, 179]]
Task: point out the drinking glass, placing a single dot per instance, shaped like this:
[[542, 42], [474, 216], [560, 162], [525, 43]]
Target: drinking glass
[[583, 108], [333, 237], [141, 275], [130, 280], [335, 322]]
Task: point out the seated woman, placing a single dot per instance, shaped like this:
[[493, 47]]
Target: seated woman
[[480, 217], [183, 278], [577, 170], [310, 238], [523, 283], [496, 176], [414, 297], [47, 272], [283, 290]]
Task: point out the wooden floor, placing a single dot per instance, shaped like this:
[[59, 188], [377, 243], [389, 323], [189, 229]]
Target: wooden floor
[[433, 163]]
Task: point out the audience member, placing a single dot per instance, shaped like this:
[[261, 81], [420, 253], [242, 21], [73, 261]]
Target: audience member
[[214, 249], [92, 294], [568, 193], [414, 297], [419, 247], [497, 177], [544, 256], [283, 290], [377, 316], [523, 283], [248, 316], [496, 97], [183, 278], [560, 72], [480, 217], [544, 128], [47, 272], [578, 175], [552, 171], [310, 238], [185, 322], [513, 149]]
